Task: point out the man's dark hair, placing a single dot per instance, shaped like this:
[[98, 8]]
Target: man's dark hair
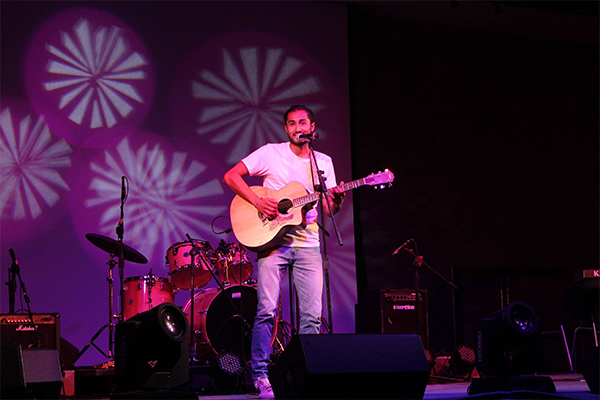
[[298, 107]]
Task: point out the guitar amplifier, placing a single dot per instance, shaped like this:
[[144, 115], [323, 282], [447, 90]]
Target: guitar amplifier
[[393, 311], [18, 328]]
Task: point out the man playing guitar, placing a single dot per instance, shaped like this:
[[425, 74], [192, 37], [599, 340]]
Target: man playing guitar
[[281, 164]]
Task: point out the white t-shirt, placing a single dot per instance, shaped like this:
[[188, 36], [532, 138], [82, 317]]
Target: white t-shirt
[[278, 165]]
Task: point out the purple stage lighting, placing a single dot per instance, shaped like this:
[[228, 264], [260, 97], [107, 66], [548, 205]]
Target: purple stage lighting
[[174, 189], [232, 92], [33, 170], [90, 75]]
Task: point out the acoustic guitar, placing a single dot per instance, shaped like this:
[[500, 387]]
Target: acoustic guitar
[[258, 233]]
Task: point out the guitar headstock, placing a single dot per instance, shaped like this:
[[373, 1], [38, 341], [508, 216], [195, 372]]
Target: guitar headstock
[[381, 179]]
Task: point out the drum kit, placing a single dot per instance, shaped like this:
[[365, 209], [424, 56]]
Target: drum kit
[[223, 315]]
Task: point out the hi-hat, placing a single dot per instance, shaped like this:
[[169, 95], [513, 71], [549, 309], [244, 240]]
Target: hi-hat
[[112, 246]]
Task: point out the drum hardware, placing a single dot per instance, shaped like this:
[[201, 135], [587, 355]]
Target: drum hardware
[[115, 248], [202, 257], [233, 263]]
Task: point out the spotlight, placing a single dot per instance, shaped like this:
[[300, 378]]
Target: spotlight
[[509, 342], [228, 371], [231, 363], [429, 356], [151, 348], [508, 346], [462, 361]]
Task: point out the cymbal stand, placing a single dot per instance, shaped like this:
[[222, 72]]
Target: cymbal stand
[[193, 253], [110, 325]]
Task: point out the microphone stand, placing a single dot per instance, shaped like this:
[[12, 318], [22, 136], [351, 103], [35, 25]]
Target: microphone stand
[[418, 263], [16, 271], [12, 284], [321, 189], [120, 230]]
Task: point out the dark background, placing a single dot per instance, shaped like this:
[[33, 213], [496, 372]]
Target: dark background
[[490, 124]]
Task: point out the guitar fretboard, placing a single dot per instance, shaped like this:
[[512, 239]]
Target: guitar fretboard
[[309, 198]]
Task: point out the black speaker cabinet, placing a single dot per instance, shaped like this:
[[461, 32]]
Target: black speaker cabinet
[[345, 366], [393, 311], [33, 373]]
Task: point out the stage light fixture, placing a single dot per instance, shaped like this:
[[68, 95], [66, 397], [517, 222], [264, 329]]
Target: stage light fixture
[[462, 361], [429, 356], [228, 373], [509, 342], [508, 349], [230, 363], [151, 348]]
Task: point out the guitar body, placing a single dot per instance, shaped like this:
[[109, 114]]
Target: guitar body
[[256, 232]]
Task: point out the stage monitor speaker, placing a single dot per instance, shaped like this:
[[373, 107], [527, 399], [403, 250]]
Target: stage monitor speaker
[[13, 381], [345, 366], [31, 374]]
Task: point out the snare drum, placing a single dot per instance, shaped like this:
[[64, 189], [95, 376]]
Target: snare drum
[[233, 263], [144, 293], [180, 264]]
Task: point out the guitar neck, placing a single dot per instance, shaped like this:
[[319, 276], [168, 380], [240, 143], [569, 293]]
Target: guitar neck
[[309, 198]]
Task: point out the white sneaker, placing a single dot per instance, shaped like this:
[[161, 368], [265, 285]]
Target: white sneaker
[[264, 388]]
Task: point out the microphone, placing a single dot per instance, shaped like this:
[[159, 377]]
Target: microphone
[[12, 255], [403, 245], [309, 136], [123, 193]]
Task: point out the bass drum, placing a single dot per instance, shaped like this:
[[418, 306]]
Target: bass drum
[[218, 326]]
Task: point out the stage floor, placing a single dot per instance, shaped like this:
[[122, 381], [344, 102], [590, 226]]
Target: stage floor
[[568, 386]]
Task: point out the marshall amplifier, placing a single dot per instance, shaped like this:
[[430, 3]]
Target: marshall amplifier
[[18, 328], [393, 311]]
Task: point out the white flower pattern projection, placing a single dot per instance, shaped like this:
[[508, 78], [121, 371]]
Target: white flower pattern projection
[[171, 193], [94, 77], [235, 102], [31, 163], [93, 70]]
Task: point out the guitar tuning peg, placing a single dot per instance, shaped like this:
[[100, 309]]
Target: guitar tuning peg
[[390, 184]]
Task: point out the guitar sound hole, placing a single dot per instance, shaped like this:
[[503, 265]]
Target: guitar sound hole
[[284, 205]]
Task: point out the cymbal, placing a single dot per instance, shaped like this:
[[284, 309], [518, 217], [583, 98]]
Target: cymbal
[[111, 246]]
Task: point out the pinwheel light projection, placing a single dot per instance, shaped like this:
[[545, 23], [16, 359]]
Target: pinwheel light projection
[[33, 166], [90, 75], [174, 189], [234, 101]]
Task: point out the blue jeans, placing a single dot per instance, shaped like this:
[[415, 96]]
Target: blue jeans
[[307, 273]]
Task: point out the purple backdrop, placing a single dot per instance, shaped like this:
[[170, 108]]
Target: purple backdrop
[[169, 95]]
